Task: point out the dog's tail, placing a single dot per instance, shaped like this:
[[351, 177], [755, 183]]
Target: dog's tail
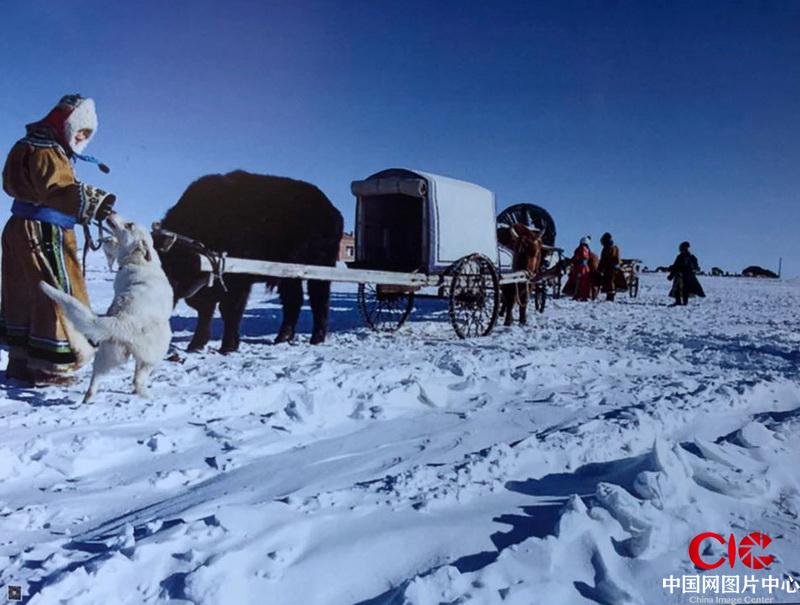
[[95, 329]]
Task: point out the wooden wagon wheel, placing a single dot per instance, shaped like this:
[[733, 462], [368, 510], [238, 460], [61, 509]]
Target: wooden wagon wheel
[[384, 308], [540, 297], [474, 296]]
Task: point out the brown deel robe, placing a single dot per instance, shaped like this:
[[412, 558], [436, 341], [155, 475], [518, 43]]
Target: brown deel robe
[[33, 251], [612, 278]]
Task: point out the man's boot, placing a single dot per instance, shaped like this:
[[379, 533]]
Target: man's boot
[[44, 379], [18, 371]]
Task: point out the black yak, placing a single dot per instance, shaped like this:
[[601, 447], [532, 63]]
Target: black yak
[[258, 217]]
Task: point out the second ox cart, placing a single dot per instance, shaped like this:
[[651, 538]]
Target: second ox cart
[[415, 231]]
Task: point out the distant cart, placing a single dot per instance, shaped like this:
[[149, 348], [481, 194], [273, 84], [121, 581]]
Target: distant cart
[[630, 268], [414, 231]]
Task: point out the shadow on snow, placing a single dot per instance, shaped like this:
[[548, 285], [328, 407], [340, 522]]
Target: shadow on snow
[[263, 321], [538, 520]]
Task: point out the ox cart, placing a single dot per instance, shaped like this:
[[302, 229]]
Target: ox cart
[[414, 231]]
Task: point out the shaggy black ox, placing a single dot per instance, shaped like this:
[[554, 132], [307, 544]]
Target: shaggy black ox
[[259, 217]]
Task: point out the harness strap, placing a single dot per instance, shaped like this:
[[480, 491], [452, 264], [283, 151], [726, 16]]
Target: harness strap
[[217, 267], [90, 244], [215, 259]]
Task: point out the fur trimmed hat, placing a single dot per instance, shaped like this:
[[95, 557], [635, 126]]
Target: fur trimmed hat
[[72, 114], [587, 240], [82, 117]]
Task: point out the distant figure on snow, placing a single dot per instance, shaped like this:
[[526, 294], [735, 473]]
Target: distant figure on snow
[[594, 274], [611, 277], [682, 273], [579, 283]]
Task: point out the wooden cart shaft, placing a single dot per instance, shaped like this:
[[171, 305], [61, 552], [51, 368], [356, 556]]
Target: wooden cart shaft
[[340, 274]]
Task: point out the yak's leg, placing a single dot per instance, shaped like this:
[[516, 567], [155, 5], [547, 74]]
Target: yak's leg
[[319, 296], [502, 311], [205, 302], [524, 297], [509, 295], [232, 308], [291, 292]]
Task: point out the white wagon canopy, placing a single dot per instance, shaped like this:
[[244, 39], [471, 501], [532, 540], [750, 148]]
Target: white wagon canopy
[[409, 220]]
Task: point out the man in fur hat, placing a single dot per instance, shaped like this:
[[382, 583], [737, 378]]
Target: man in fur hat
[[39, 242]]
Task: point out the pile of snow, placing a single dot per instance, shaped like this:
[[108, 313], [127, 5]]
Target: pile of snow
[[575, 458]]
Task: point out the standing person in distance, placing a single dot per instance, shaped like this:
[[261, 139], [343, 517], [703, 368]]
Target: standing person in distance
[[579, 284], [683, 274], [611, 277]]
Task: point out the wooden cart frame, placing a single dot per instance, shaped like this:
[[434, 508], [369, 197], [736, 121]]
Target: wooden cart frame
[[471, 286]]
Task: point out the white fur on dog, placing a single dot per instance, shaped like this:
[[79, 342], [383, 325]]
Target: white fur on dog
[[137, 322]]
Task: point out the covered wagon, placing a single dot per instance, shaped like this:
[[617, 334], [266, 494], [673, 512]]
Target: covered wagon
[[438, 228]]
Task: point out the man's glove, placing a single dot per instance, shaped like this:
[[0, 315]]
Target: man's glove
[[106, 207]]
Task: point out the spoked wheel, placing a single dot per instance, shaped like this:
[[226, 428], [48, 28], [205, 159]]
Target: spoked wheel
[[539, 297], [633, 287], [474, 296], [384, 308]]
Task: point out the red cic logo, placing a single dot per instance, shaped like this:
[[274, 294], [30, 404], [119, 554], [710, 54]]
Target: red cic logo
[[750, 550]]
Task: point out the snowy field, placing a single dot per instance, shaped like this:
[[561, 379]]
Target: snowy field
[[567, 463]]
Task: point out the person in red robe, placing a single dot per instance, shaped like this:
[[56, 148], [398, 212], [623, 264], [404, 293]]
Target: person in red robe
[[579, 284]]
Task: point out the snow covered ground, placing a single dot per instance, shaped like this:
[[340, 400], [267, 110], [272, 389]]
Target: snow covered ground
[[570, 462]]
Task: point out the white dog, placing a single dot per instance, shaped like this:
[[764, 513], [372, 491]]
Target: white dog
[[137, 322]]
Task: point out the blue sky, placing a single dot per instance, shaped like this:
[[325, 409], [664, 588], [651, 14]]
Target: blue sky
[[657, 121]]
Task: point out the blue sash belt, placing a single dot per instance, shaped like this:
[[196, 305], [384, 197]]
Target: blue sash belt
[[34, 212]]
